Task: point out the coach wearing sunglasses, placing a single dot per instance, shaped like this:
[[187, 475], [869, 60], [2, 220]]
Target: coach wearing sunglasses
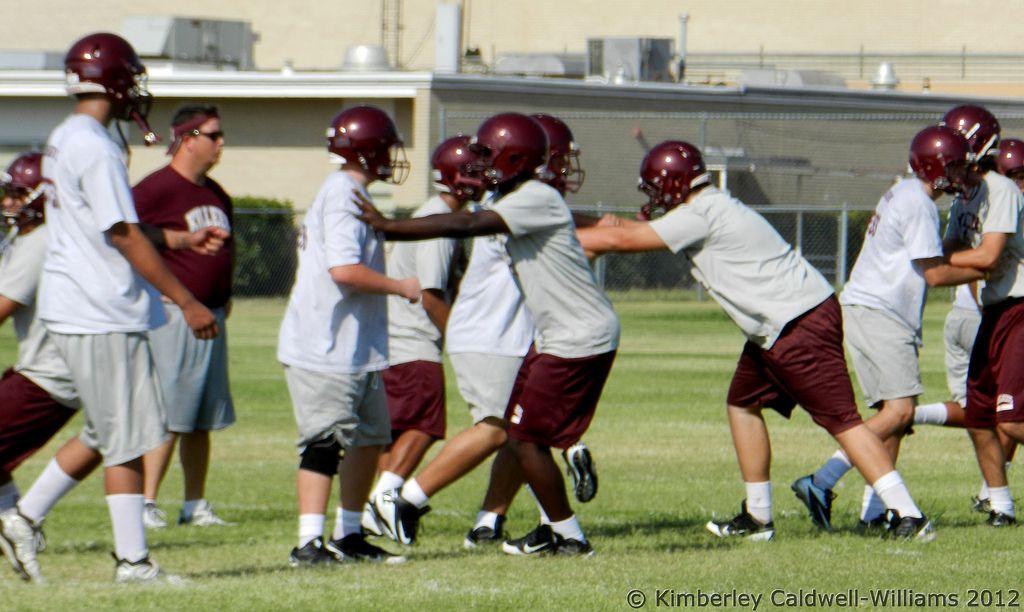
[[193, 373]]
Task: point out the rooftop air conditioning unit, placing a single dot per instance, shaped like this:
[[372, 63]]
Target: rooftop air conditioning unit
[[628, 60], [185, 39]]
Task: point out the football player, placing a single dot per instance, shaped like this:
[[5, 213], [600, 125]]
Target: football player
[[414, 380], [37, 396], [882, 304], [792, 320], [333, 341], [985, 232], [961, 328], [99, 295], [577, 329]]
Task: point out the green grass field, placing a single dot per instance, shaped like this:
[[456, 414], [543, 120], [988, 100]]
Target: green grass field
[[666, 463]]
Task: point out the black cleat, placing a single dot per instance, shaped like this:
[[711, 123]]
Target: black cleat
[[582, 471], [742, 526], [399, 518], [817, 500], [354, 547], [310, 555], [573, 548], [981, 505], [876, 525], [539, 541], [918, 529], [485, 535], [998, 519]]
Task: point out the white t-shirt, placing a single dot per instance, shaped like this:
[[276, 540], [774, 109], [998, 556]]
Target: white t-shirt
[[412, 336], [328, 327], [87, 286], [743, 263], [964, 298], [572, 316], [38, 359], [489, 315], [905, 227], [994, 206]]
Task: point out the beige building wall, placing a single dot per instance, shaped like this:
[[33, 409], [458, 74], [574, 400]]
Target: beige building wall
[[273, 148], [315, 34]]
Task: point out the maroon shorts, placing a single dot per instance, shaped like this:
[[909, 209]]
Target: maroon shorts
[[521, 376], [995, 377], [805, 366], [558, 398], [28, 419], [415, 391]]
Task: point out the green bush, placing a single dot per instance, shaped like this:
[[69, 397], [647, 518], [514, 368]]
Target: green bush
[[265, 254]]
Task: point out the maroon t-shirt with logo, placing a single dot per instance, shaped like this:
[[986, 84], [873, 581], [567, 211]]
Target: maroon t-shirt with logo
[[168, 200]]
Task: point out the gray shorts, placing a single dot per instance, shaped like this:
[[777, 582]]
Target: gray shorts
[[121, 400], [352, 408], [485, 382], [960, 330], [193, 374], [884, 354]]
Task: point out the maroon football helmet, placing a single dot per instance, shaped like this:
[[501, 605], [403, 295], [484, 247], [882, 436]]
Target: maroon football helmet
[[106, 63], [1011, 156], [22, 190], [512, 148], [563, 171], [668, 173], [979, 127], [451, 163], [366, 135], [939, 156]]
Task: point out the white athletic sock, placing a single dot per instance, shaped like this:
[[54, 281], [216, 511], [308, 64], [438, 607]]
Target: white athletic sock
[[569, 529], [387, 481], [311, 527], [835, 468], [983, 491], [46, 491], [347, 523], [895, 495], [759, 501], [149, 502], [931, 414], [8, 496], [188, 507], [871, 507], [486, 519], [129, 532], [544, 520], [1001, 501], [413, 494]]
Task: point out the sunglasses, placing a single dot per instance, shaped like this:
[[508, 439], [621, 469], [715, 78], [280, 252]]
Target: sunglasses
[[214, 136]]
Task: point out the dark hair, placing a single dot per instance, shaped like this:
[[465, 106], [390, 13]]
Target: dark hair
[[187, 112]]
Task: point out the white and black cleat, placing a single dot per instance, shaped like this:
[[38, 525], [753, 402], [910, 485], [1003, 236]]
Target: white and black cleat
[[743, 526]]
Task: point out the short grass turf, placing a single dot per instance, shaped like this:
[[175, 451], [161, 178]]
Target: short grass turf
[[666, 465]]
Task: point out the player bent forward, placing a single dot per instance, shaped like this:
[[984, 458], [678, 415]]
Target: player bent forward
[[793, 324]]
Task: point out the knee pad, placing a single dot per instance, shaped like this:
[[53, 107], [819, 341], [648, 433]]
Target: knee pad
[[321, 457]]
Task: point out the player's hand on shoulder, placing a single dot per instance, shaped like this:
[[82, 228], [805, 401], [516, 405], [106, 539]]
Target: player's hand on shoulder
[[201, 320], [409, 288], [370, 215]]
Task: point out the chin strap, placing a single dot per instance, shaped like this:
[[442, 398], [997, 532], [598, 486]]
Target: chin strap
[[148, 135]]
